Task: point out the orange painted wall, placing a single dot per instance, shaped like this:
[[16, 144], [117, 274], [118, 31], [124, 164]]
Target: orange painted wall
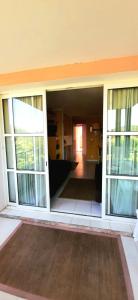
[[105, 66], [93, 140]]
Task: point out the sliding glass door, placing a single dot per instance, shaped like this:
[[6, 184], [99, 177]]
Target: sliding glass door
[[26, 152], [122, 152]]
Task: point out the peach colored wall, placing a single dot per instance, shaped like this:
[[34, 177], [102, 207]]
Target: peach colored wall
[[106, 66]]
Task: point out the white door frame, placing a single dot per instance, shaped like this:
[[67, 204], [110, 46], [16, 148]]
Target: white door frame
[[106, 84], [46, 171], [105, 134]]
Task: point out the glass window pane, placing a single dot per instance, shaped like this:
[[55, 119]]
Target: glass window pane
[[30, 153], [9, 152], [122, 155], [122, 197], [26, 189], [31, 190], [41, 190], [7, 115], [28, 114], [11, 187], [123, 109]]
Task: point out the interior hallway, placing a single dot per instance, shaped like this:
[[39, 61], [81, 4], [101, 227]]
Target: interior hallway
[[85, 169]]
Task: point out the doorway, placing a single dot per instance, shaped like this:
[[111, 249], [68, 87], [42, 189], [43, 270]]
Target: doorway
[[78, 138], [79, 130]]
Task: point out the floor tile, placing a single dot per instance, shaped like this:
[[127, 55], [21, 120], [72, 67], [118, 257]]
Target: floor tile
[[96, 209], [120, 227], [130, 248], [83, 207], [61, 219], [7, 226], [6, 296], [80, 221], [99, 224], [64, 205]]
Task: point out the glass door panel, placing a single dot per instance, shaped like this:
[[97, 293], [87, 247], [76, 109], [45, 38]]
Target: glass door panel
[[122, 152], [31, 190], [122, 109], [122, 197], [25, 137], [122, 155], [30, 153]]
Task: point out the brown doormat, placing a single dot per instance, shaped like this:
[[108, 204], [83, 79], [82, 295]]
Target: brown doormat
[[58, 264], [81, 189]]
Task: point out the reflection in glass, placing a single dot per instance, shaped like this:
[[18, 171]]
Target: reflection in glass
[[28, 114], [11, 187], [122, 155], [31, 190], [7, 115], [122, 197], [9, 152], [30, 153], [123, 109]]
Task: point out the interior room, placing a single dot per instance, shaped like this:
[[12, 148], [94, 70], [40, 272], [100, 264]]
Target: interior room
[[75, 120]]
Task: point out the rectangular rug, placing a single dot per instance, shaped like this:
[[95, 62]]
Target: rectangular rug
[[81, 189], [40, 262]]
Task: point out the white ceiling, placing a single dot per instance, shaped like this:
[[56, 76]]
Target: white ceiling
[[82, 103], [41, 33]]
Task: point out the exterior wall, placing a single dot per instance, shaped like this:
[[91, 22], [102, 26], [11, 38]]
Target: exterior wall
[[124, 81], [92, 68]]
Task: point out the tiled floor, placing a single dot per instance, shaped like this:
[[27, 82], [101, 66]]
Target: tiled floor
[[69, 218], [84, 169], [80, 207], [130, 247], [7, 226]]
